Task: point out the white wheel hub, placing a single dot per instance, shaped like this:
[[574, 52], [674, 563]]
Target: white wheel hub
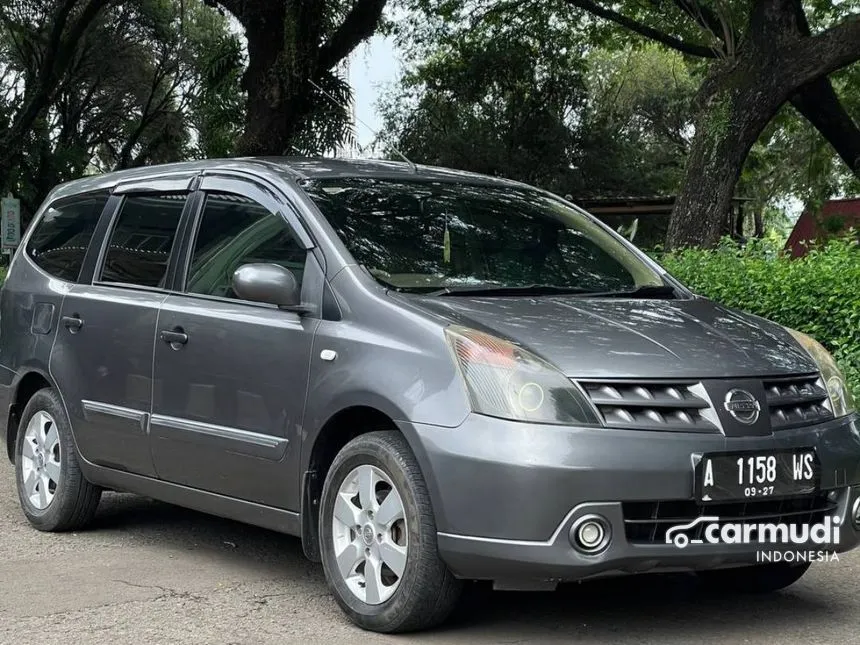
[[370, 534], [41, 460]]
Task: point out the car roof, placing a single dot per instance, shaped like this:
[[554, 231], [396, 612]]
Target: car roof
[[299, 168], [325, 168]]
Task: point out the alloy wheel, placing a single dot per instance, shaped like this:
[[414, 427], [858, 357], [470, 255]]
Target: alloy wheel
[[41, 460], [370, 534]]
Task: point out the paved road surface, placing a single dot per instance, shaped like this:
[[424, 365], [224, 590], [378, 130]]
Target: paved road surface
[[153, 573]]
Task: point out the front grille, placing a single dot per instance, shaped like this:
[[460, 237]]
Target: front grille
[[647, 522], [657, 405], [796, 401]]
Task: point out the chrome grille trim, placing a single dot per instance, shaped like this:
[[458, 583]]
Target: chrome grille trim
[[677, 405], [797, 401]]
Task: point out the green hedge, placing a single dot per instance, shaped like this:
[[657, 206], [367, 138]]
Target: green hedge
[[818, 294]]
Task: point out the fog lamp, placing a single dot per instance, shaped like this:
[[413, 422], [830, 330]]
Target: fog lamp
[[591, 534], [855, 513]]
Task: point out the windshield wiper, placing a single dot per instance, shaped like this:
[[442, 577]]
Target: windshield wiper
[[526, 290], [645, 291]]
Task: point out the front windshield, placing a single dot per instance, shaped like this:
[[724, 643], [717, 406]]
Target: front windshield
[[419, 236]]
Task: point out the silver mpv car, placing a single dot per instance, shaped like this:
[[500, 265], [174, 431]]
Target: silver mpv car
[[428, 375]]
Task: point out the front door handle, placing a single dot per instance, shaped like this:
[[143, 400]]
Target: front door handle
[[174, 337], [73, 323]]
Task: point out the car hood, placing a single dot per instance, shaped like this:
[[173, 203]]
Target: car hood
[[606, 338]]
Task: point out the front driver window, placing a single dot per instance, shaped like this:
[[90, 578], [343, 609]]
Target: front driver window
[[233, 231]]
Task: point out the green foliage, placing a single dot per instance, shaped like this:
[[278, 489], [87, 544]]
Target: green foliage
[[816, 294], [490, 95], [328, 125], [216, 106], [634, 133], [792, 160], [523, 90], [630, 128], [151, 81]]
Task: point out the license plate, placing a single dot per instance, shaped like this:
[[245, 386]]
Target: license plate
[[756, 475]]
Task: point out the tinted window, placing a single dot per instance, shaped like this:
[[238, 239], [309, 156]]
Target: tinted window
[[234, 231], [59, 242], [140, 244], [422, 236]]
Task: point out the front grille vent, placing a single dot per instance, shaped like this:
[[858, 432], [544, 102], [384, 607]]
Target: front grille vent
[[673, 406], [648, 522], [797, 401]]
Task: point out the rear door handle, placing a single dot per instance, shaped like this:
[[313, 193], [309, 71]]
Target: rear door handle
[[174, 336], [72, 323]]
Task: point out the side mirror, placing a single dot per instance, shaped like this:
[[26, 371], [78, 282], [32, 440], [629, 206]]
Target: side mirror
[[269, 283]]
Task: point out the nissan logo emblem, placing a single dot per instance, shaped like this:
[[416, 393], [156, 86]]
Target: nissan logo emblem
[[743, 406]]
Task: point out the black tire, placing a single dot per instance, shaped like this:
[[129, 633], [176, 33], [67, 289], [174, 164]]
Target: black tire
[[75, 499], [759, 579], [427, 591]]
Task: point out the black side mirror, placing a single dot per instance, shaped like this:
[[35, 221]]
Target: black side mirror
[[269, 283]]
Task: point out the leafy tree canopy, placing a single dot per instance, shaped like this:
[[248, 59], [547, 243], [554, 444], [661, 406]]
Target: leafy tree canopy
[[633, 92], [144, 81]]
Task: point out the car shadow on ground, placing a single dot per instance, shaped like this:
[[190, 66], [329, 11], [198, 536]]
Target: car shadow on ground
[[665, 608]]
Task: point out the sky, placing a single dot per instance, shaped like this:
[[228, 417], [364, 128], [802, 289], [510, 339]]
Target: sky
[[373, 67]]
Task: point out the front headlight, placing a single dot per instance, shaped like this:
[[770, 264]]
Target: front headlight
[[840, 396], [504, 380]]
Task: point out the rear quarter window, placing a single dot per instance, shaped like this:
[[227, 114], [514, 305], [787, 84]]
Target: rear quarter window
[[63, 234]]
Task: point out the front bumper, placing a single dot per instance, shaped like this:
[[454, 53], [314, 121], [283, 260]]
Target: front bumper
[[506, 494]]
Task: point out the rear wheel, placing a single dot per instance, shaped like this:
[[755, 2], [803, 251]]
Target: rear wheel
[[53, 492], [762, 578], [378, 538]]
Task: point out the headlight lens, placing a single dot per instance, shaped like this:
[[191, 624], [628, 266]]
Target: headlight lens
[[504, 380], [840, 396]]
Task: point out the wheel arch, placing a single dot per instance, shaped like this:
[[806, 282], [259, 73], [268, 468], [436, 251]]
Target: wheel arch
[[28, 381], [320, 449]]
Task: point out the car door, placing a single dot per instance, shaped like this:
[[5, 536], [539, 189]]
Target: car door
[[231, 375], [102, 355]]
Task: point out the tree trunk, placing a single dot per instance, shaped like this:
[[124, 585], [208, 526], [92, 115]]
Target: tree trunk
[[735, 104], [739, 221], [289, 47], [738, 99], [267, 130], [283, 56], [758, 222]]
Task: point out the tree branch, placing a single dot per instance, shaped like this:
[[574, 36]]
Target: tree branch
[[360, 23], [818, 103], [642, 29], [811, 58], [149, 113], [61, 46], [704, 16], [710, 22]]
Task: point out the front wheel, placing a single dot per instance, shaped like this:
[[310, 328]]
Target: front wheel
[[762, 578], [378, 538]]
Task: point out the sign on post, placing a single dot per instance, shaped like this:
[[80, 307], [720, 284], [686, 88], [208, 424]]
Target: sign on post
[[10, 225]]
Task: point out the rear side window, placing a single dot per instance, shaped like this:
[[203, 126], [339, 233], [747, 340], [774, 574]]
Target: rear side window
[[143, 236], [61, 238]]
